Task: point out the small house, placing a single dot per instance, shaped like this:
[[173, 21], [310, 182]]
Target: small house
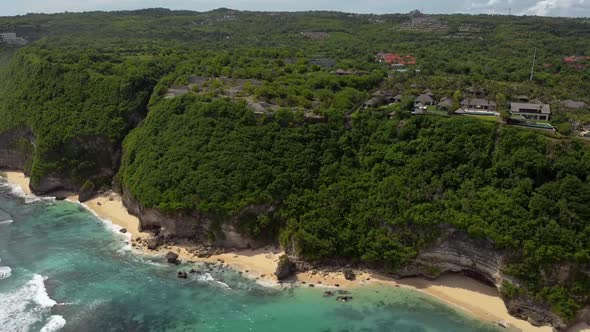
[[478, 105], [531, 111], [424, 99], [445, 104], [420, 109]]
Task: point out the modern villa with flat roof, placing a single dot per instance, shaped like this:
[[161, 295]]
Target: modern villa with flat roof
[[531, 111], [477, 106]]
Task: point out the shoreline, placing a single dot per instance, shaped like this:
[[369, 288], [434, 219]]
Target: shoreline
[[466, 294]]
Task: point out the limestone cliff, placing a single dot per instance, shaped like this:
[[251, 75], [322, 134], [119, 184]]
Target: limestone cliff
[[457, 252], [100, 163], [205, 228], [100, 160], [16, 148]]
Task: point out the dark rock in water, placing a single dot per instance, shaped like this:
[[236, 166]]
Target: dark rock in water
[[286, 268], [182, 275], [343, 292], [193, 271], [311, 285], [172, 257], [328, 293], [349, 274], [344, 298], [123, 230]]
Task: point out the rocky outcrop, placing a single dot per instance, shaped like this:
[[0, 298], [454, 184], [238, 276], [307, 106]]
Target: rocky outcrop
[[172, 257], [536, 313], [16, 148], [457, 252], [204, 228], [349, 274], [285, 268]]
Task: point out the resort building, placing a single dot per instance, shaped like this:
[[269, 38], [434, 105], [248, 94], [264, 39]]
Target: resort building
[[531, 111]]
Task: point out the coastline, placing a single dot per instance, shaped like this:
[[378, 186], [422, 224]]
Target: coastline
[[464, 293]]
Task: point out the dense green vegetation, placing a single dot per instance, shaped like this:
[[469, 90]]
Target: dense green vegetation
[[347, 184], [70, 95], [377, 193]]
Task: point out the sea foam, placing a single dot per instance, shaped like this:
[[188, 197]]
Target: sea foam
[[55, 323], [27, 306], [18, 191], [5, 222], [5, 272]]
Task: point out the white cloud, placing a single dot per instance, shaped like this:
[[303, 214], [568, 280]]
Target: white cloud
[[557, 7]]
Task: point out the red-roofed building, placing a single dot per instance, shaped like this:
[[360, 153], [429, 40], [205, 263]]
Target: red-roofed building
[[396, 59]]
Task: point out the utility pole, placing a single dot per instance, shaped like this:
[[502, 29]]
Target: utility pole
[[509, 11], [533, 66]]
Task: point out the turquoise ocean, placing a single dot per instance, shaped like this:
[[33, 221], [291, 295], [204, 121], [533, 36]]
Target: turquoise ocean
[[63, 269]]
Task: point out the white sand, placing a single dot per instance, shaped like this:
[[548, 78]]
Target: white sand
[[471, 296]]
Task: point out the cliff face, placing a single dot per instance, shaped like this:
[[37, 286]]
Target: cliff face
[[16, 148], [200, 227], [100, 162], [456, 252]]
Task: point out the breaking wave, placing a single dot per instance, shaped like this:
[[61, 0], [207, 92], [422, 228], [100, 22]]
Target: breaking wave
[[54, 323], [18, 191], [5, 272], [28, 306]]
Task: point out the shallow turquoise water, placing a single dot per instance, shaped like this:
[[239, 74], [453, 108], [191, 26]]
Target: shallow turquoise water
[[63, 269]]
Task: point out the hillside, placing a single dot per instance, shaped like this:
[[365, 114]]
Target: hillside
[[267, 123]]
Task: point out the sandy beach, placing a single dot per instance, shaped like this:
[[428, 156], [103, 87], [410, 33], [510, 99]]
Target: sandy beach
[[19, 179], [462, 292]]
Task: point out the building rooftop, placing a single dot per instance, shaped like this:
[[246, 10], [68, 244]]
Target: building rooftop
[[519, 107]]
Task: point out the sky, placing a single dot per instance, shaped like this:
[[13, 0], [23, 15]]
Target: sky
[[572, 8]]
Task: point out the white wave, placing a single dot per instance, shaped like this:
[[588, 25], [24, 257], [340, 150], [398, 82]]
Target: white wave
[[27, 306], [55, 323], [223, 284], [6, 222], [206, 277], [18, 191], [209, 278], [5, 272]]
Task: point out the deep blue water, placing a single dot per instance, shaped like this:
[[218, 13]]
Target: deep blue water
[[61, 268]]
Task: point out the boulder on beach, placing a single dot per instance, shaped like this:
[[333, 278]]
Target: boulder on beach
[[172, 257], [286, 268], [349, 274], [153, 243], [60, 196]]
